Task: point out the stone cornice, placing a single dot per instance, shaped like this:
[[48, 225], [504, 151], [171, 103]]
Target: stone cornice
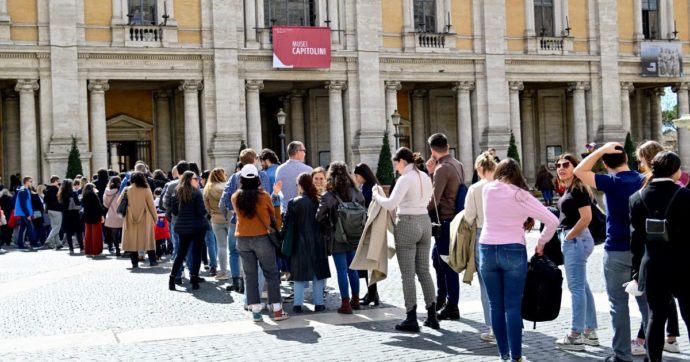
[[136, 56], [549, 61], [391, 60], [18, 55], [269, 58]]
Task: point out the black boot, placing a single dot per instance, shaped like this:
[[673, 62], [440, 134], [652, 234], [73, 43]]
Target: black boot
[[152, 258], [240, 288], [235, 285], [372, 296], [117, 250], [431, 319], [171, 282], [134, 257], [440, 303], [450, 312], [195, 282], [410, 323]]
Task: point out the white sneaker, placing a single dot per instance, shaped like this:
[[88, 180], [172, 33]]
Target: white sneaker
[[569, 343], [591, 338], [672, 347], [637, 348], [2, 251], [488, 337]]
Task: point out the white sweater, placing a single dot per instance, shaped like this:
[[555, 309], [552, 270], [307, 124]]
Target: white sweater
[[411, 194]]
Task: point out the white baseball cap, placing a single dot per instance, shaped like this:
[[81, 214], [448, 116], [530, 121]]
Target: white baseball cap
[[249, 171]]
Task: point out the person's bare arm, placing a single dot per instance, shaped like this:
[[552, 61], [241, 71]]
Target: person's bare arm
[[584, 172]]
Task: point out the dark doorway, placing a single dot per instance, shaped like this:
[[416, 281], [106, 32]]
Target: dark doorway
[[270, 105], [129, 152]]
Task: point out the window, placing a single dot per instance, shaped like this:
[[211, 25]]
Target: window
[[425, 16], [142, 12], [650, 19], [290, 12], [543, 17]]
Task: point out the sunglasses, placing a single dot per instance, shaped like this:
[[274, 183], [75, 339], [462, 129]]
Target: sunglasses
[[563, 164]]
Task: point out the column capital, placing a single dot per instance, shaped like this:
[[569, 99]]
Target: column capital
[[578, 86], [528, 93], [98, 85], [419, 93], [254, 85], [681, 87], [656, 92], [297, 93], [26, 86], [463, 87], [191, 86], [516, 86], [336, 85], [627, 87], [392, 85], [161, 95]]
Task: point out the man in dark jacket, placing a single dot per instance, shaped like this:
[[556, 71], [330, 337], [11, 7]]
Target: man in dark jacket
[[54, 211], [24, 213], [102, 183]]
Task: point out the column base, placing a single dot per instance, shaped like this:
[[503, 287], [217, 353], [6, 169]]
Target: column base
[[58, 155], [498, 138], [224, 150], [367, 147]]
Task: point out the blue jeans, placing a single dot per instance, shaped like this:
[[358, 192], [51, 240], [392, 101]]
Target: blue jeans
[[26, 227], [317, 291], [342, 266], [234, 254], [575, 254], [175, 239], [482, 285], [212, 248], [447, 279], [504, 269], [617, 271], [547, 195]]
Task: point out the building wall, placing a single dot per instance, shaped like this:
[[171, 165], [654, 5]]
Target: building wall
[[97, 17], [188, 14], [131, 102], [24, 20], [515, 25]]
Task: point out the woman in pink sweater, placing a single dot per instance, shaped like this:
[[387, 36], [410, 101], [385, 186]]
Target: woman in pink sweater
[[509, 211]]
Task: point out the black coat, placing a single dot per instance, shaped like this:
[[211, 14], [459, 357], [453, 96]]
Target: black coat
[[93, 209], [101, 185], [71, 221], [327, 217], [50, 198], [190, 216], [37, 204], [309, 252]]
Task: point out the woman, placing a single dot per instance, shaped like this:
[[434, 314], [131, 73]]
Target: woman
[[318, 175], [544, 183], [577, 244], [71, 221], [410, 199], [366, 180], [484, 166], [660, 261], [255, 215], [309, 259], [137, 226], [219, 222], [7, 206], [92, 216], [340, 188], [191, 226], [509, 211], [113, 221], [39, 214]]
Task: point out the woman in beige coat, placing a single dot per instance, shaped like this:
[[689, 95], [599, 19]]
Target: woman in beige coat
[[219, 222], [137, 228]]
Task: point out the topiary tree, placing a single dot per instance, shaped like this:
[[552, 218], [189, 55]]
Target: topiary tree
[[512, 148], [384, 170], [74, 161], [629, 148]]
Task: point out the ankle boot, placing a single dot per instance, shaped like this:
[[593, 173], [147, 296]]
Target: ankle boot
[[152, 258], [450, 312], [134, 258], [240, 288], [372, 296], [195, 282], [235, 287], [431, 318], [345, 307], [171, 282], [440, 303], [117, 250], [409, 324], [354, 302]]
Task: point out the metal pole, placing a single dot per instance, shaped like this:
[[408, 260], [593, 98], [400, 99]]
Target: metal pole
[[397, 137], [282, 143]]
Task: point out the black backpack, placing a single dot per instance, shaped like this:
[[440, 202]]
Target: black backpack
[[597, 227], [552, 249], [541, 300], [350, 221]]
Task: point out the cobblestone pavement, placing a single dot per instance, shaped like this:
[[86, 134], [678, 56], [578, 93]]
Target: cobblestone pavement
[[61, 307]]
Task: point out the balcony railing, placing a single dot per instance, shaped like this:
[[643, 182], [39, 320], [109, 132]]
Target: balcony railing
[[551, 45], [430, 40], [145, 33]]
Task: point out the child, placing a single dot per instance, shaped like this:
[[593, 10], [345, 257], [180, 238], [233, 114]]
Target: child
[[162, 235]]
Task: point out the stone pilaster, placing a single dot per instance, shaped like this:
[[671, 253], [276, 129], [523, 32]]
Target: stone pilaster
[[335, 115], [12, 134], [579, 116], [515, 127], [297, 114], [392, 88], [254, 136], [29, 157], [418, 121], [464, 114], [626, 89], [527, 118], [163, 131], [655, 110], [99, 140], [192, 128]]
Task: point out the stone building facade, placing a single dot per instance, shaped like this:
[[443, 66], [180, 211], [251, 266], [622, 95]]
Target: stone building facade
[[162, 80]]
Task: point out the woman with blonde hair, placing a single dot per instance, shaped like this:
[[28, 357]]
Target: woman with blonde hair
[[213, 190]]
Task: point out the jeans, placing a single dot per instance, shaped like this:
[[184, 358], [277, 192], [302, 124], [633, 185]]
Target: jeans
[[234, 254], [189, 260], [26, 227], [575, 254], [342, 266], [175, 239], [189, 242], [317, 291], [212, 248], [447, 279], [547, 194], [482, 285], [504, 269], [617, 271], [221, 233], [55, 218], [259, 249]]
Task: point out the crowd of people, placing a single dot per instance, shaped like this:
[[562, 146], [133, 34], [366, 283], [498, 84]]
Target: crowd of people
[[259, 225]]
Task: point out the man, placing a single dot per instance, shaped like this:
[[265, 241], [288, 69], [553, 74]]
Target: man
[[447, 175], [617, 186], [269, 163], [287, 173], [24, 214], [54, 212]]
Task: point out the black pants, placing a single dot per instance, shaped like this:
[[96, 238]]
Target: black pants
[[134, 257], [195, 240], [80, 239], [112, 237], [660, 292], [672, 328], [6, 235]]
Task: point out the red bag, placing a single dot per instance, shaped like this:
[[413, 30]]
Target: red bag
[[11, 222]]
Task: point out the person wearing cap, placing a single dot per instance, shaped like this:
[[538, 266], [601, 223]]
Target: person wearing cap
[[255, 213]]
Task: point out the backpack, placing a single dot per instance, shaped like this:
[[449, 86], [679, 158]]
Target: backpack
[[597, 227], [552, 249], [350, 219], [460, 198], [541, 299]]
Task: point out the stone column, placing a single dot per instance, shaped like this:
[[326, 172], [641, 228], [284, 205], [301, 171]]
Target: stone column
[[297, 115], [418, 124], [464, 114], [626, 89], [254, 135], [527, 118], [579, 116], [637, 16], [99, 139], [529, 18], [564, 17], [392, 88], [683, 133], [655, 110], [335, 115], [12, 134], [163, 131], [334, 20], [250, 24], [192, 128], [515, 88], [29, 157], [115, 159]]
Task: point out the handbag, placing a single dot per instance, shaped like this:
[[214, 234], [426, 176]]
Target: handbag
[[122, 208], [286, 246], [273, 234]]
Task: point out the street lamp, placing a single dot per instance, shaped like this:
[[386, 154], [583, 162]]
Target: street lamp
[[280, 116], [395, 118]]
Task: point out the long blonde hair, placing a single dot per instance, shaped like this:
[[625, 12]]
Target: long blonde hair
[[217, 175], [576, 183]]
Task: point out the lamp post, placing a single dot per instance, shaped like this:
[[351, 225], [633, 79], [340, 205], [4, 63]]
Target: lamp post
[[395, 118], [280, 116]]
